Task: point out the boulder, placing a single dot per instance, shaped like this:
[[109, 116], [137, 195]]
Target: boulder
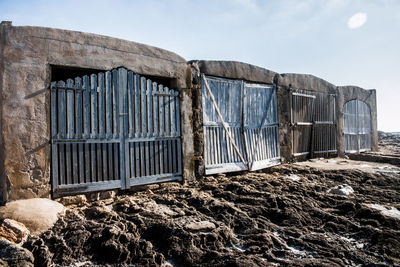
[[37, 214], [14, 255], [343, 190], [13, 231]]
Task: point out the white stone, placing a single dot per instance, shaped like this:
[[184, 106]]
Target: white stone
[[343, 190], [386, 211], [292, 177]]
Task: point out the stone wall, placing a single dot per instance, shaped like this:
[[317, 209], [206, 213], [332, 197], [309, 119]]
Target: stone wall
[[27, 56]]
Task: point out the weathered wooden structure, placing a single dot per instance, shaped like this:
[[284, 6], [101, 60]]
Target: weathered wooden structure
[[82, 112]]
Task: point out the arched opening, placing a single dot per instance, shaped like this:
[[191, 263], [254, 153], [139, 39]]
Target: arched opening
[[356, 126]]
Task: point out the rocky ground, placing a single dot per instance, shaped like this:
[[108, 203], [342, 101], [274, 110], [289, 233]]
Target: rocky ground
[[389, 143], [285, 215]]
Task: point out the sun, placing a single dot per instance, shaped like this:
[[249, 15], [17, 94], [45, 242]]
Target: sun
[[357, 20]]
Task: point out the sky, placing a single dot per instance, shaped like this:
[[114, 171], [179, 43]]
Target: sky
[[346, 42]]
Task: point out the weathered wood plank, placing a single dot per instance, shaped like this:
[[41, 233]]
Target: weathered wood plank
[[93, 107], [54, 165], [131, 105], [81, 163], [115, 104], [87, 163], [101, 108], [86, 107], [75, 168], [61, 149], [99, 159], [161, 111], [143, 107], [62, 125], [54, 111], [109, 106], [93, 161], [70, 110], [149, 93], [68, 167], [110, 150], [78, 108]]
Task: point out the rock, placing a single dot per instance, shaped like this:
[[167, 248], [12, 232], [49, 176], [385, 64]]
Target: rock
[[37, 214], [202, 225], [292, 177], [78, 200], [15, 255], [13, 231], [343, 190]]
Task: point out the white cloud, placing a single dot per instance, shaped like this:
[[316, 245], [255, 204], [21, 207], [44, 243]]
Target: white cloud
[[357, 20]]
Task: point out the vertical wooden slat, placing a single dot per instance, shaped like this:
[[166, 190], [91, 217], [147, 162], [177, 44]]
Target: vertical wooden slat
[[123, 128], [54, 147], [87, 163], [109, 106], [68, 167], [93, 161], [101, 108], [61, 110], [78, 108], [155, 110], [115, 104], [149, 93], [131, 105], [105, 162], [93, 107], [143, 106], [132, 160], [75, 168], [70, 110], [138, 112], [137, 160], [166, 110], [86, 107], [62, 179], [110, 157], [81, 163], [99, 162]]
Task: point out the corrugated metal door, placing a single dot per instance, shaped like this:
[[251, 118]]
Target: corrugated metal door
[[113, 130], [356, 126], [240, 125]]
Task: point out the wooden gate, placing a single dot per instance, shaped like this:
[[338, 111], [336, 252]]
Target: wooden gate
[[356, 126], [113, 130], [240, 125], [260, 125], [314, 122]]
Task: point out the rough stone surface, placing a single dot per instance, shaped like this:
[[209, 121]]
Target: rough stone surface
[[14, 255], [13, 231], [304, 82], [37, 214], [236, 70]]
